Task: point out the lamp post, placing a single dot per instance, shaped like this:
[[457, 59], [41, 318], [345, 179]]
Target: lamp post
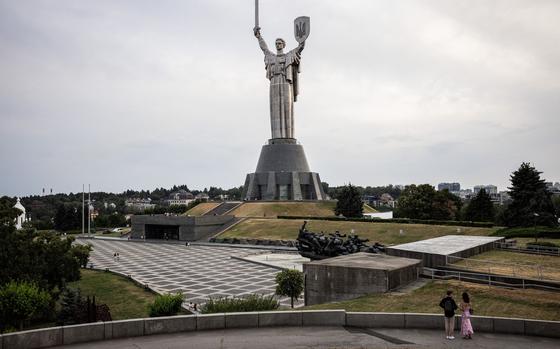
[[535, 215]]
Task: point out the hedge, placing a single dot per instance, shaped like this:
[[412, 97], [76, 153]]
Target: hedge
[[397, 220], [528, 232]]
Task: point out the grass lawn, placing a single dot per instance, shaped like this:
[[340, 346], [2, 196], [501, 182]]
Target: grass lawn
[[125, 299], [386, 233], [522, 242], [202, 208], [513, 263], [486, 301]]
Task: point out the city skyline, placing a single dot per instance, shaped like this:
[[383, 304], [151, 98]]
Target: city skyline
[[134, 95]]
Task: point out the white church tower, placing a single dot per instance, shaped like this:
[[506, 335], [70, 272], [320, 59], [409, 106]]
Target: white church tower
[[21, 218]]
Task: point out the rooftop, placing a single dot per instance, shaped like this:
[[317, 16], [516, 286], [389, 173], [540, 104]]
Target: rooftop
[[368, 261], [447, 245]]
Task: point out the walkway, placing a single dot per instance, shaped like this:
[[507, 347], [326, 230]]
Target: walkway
[[197, 271], [320, 337]]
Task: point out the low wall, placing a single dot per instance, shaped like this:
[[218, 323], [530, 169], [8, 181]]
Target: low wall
[[62, 335]]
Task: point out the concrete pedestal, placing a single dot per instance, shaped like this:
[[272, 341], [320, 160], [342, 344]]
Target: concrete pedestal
[[283, 174], [354, 275]]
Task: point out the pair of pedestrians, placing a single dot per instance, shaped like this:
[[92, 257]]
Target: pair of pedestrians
[[449, 306]]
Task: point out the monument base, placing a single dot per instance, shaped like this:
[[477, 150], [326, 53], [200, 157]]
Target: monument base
[[283, 174]]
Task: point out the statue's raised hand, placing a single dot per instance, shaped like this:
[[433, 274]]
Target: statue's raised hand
[[257, 32]]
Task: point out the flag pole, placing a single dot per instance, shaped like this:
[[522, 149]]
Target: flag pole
[[88, 211], [83, 207]]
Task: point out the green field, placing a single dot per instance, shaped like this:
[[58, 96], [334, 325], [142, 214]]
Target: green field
[[386, 233], [486, 301], [514, 264], [125, 299]]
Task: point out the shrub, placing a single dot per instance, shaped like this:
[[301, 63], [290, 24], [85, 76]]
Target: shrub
[[397, 220], [254, 302], [20, 301], [528, 232], [166, 305]]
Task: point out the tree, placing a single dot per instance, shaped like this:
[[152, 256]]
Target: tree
[[531, 202], [289, 283], [349, 202], [72, 308], [81, 253], [44, 258], [20, 301], [446, 206], [416, 202], [424, 202], [481, 208]]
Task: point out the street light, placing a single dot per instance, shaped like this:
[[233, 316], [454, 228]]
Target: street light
[[535, 215]]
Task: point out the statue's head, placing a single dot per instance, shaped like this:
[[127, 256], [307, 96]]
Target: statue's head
[[280, 44]]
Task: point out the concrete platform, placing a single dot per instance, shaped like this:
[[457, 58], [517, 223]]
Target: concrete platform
[[278, 260], [351, 276], [433, 252]]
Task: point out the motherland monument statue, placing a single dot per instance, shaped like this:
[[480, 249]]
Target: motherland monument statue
[[282, 170]]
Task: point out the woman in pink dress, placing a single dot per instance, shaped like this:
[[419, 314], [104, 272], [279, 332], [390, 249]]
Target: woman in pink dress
[[466, 327]]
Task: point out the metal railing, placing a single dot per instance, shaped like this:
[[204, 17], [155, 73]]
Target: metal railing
[[481, 278], [535, 249]]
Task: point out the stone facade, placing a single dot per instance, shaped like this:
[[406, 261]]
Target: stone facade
[[351, 276], [177, 227]]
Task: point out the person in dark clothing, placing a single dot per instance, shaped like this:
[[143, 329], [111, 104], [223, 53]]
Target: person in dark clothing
[[449, 306]]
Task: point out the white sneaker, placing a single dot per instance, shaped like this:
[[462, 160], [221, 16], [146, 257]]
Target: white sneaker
[[446, 337], [451, 337]]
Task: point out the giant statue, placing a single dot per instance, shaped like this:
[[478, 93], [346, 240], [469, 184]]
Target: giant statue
[[282, 70], [282, 170]]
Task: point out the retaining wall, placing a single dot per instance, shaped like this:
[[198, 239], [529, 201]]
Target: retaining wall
[[62, 335]]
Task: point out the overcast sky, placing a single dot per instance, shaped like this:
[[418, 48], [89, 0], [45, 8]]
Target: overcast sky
[[145, 94]]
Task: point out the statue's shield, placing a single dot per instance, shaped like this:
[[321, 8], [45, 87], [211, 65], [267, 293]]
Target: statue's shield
[[302, 27]]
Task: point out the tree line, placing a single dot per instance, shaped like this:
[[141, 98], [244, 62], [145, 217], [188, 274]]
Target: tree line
[[531, 205]]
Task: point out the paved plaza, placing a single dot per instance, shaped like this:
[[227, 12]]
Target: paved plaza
[[197, 271], [321, 337]]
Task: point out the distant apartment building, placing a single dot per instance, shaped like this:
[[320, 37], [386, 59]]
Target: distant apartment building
[[452, 187], [181, 197], [465, 194], [490, 189], [136, 204]]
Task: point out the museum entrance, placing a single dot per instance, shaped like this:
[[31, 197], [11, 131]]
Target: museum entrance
[[163, 232]]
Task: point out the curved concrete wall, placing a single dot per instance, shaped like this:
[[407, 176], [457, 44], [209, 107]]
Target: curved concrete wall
[[62, 335]]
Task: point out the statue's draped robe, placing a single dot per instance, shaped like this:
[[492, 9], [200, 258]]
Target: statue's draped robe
[[282, 71]]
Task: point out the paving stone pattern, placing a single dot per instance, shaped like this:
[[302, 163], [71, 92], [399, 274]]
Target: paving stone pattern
[[197, 271]]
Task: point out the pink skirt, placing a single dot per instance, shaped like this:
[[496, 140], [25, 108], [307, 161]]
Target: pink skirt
[[466, 327]]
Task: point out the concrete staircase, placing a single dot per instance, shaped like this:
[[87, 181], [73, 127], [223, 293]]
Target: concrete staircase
[[223, 208]]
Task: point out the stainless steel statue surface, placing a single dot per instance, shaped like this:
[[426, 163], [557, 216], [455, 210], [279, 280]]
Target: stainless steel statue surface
[[282, 70]]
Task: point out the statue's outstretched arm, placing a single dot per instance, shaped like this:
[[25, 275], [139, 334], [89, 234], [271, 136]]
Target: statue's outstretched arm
[[262, 43], [300, 47]]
